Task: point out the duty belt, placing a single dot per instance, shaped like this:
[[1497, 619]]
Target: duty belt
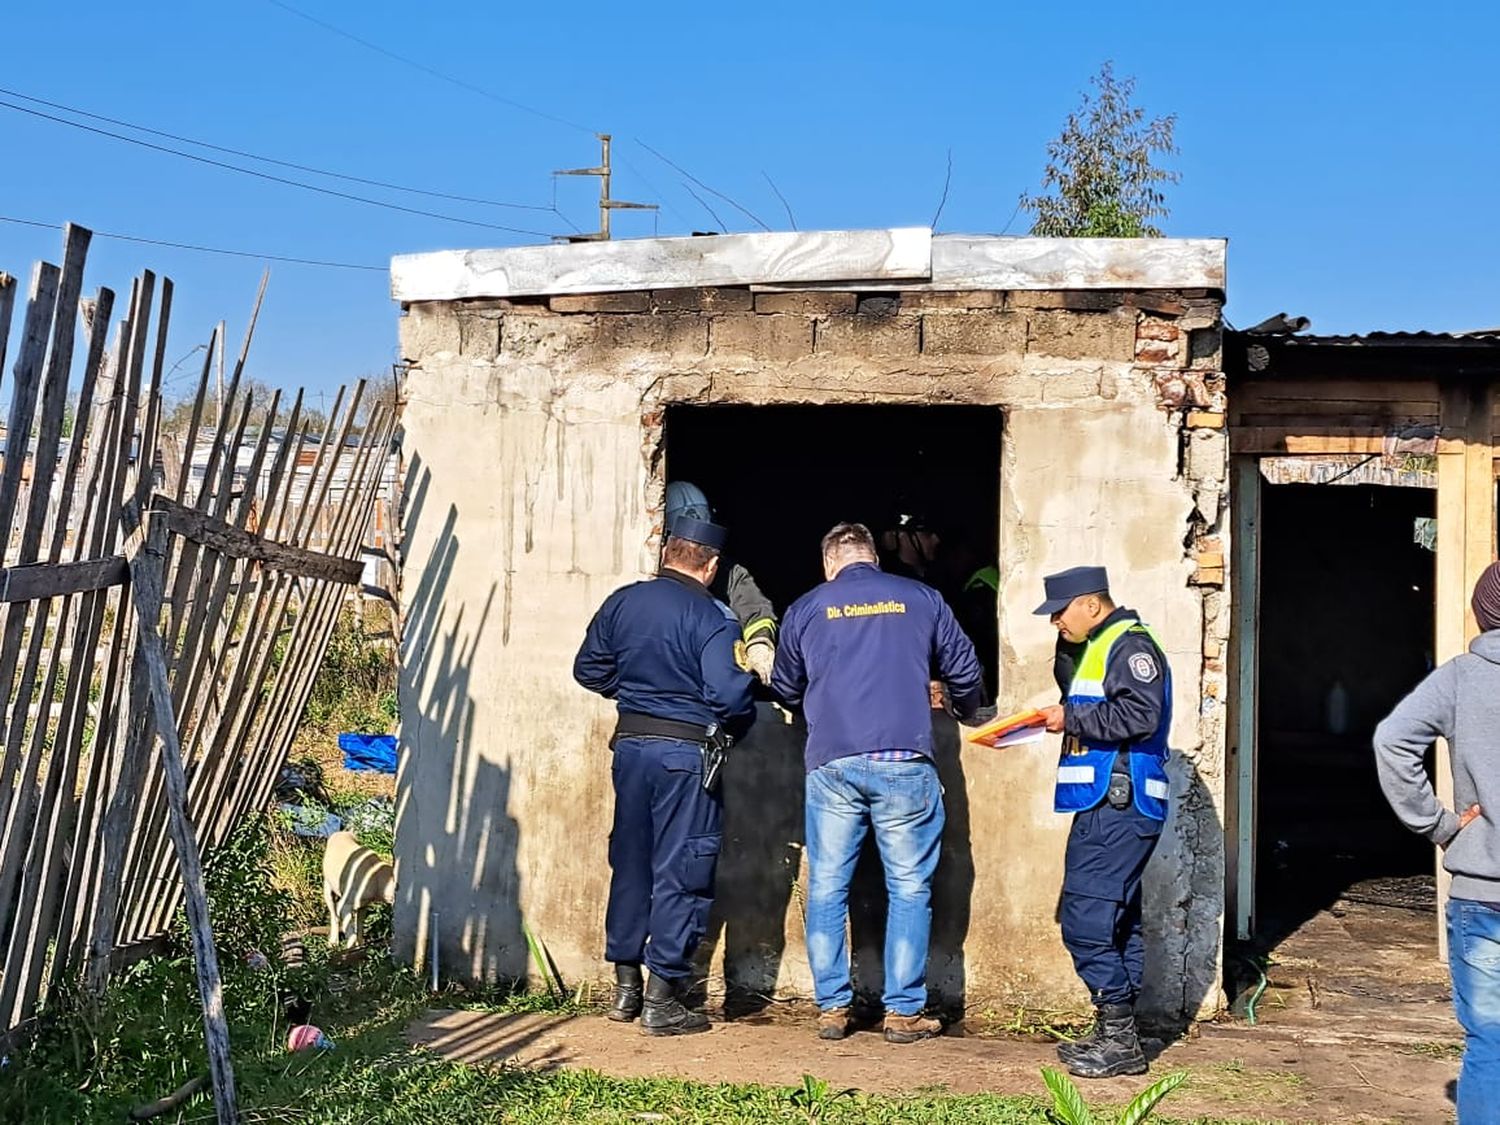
[[645, 726], [712, 742]]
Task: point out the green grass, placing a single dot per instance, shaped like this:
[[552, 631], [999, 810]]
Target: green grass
[[150, 1043], [90, 1064]]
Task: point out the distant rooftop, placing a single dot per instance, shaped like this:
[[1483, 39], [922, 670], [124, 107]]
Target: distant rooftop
[[901, 258]]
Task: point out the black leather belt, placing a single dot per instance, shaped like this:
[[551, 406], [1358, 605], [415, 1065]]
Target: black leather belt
[[645, 726]]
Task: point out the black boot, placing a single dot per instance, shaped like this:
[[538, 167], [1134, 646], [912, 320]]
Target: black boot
[[1117, 1050], [1068, 1050], [628, 989], [664, 1013]]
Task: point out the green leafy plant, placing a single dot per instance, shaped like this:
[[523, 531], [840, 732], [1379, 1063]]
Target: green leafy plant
[[1069, 1108], [814, 1097], [1100, 169], [544, 966]]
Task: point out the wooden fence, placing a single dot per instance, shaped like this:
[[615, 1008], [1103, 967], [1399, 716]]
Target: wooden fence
[[156, 647]]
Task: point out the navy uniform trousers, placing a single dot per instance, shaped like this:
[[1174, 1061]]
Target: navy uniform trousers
[[1101, 899], [662, 851]]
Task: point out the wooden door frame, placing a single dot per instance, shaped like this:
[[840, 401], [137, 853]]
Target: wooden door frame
[[1466, 545]]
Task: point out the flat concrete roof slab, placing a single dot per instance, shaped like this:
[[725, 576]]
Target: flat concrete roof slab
[[905, 257]]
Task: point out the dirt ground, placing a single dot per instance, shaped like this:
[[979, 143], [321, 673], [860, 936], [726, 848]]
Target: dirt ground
[[1354, 1026]]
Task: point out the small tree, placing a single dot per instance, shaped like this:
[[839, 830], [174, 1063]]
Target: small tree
[[1100, 170]]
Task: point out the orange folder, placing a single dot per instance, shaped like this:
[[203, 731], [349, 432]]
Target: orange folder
[[1023, 726]]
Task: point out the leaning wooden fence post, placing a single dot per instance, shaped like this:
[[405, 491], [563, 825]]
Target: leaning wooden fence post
[[147, 579]]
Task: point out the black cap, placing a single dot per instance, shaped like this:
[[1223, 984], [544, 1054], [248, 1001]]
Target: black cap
[[1064, 587], [699, 531]]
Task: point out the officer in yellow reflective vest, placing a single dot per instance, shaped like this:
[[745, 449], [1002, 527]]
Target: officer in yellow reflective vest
[[1115, 718]]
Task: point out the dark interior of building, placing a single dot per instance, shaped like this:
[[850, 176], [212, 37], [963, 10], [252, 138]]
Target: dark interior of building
[[1346, 630], [780, 476]]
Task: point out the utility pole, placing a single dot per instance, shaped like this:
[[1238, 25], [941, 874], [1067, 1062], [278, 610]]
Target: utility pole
[[606, 204]]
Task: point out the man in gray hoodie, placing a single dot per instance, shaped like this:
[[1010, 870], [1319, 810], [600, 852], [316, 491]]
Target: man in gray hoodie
[[1460, 702]]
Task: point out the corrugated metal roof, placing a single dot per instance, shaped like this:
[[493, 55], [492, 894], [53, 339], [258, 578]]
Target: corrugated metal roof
[[1482, 337]]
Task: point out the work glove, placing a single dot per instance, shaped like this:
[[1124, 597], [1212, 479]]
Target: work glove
[[760, 654]]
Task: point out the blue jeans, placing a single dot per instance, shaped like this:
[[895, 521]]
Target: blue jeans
[[1474, 961], [904, 803]]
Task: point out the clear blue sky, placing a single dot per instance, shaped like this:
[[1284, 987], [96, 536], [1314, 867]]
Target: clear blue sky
[[1347, 152]]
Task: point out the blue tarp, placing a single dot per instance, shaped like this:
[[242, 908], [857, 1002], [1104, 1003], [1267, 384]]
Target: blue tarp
[[369, 752]]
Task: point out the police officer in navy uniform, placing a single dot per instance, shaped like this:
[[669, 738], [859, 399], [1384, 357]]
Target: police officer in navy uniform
[[1115, 718], [671, 657]]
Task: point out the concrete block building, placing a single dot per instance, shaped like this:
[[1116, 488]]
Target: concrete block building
[[1059, 401]]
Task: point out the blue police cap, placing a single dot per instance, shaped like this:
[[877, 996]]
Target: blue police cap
[[699, 531], [1069, 584]]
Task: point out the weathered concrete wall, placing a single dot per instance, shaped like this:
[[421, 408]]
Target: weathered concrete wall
[[535, 473]]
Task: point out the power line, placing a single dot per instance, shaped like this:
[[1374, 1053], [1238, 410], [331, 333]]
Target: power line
[[271, 159], [789, 216], [431, 71], [943, 202], [652, 188], [696, 180], [267, 176], [503, 100], [704, 204], [202, 249]]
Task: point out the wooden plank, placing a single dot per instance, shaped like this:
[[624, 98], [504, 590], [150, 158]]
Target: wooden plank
[[1257, 391], [7, 307], [75, 913], [663, 263], [40, 313], [1372, 420], [1244, 718], [147, 583], [54, 580], [40, 306], [1352, 409], [1465, 546], [1276, 440], [133, 732], [223, 536]]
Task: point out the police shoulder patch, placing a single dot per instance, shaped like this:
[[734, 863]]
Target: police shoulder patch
[[1143, 667], [742, 656]]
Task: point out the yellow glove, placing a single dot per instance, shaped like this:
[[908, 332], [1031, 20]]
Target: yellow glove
[[761, 656]]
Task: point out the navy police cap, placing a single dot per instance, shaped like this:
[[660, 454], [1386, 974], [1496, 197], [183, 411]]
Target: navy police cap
[[1062, 588], [699, 531]]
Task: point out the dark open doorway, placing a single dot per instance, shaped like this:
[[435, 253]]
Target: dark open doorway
[[780, 476], [1346, 630]]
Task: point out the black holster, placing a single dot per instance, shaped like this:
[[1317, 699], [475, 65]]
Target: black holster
[[715, 751], [712, 741]]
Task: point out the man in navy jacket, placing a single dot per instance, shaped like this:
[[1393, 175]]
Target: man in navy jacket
[[857, 655]]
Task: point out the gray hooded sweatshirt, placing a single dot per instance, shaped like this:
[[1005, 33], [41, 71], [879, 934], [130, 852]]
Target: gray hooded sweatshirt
[[1460, 701]]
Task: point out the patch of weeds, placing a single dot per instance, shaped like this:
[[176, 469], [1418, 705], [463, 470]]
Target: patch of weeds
[[1447, 1052], [515, 999], [1233, 1081], [355, 689]]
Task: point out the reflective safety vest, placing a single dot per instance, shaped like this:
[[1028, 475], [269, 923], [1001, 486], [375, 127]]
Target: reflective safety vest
[[1085, 767]]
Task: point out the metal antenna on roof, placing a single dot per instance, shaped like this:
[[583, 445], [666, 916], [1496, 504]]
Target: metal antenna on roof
[[606, 204]]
